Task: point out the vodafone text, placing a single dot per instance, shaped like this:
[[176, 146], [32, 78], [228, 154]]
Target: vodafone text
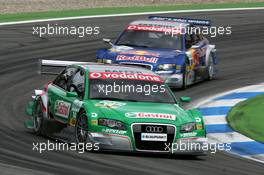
[[125, 76]]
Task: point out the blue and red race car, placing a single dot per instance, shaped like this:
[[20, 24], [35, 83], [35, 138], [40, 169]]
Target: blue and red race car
[[163, 45]]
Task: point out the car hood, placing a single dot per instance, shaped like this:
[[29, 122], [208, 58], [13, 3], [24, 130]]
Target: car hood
[[141, 112]]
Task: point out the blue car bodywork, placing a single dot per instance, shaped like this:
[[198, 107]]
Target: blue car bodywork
[[191, 60]]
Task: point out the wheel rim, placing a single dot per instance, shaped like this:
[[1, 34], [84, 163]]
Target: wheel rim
[[81, 129]]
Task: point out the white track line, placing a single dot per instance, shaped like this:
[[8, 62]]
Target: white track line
[[131, 14], [228, 137], [206, 100], [219, 103], [212, 120], [256, 88], [258, 157]]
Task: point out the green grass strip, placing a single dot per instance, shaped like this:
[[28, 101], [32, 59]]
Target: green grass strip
[[120, 10], [247, 118]]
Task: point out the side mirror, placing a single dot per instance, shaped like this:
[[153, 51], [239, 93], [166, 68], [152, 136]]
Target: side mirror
[[71, 94], [185, 99], [106, 40], [194, 46]]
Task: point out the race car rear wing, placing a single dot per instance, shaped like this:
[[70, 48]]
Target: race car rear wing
[[49, 64], [200, 22]]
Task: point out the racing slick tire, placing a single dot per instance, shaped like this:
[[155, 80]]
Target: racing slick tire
[[81, 128], [210, 70], [184, 80], [185, 74], [38, 120]]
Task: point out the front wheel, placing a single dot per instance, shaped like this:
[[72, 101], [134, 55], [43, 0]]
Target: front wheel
[[81, 128]]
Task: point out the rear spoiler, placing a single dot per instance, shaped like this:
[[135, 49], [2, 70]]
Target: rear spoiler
[[201, 22], [54, 64]]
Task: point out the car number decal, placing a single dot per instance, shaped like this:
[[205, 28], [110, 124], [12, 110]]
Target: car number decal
[[109, 104]]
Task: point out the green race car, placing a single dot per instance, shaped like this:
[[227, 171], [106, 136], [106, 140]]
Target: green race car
[[118, 107]]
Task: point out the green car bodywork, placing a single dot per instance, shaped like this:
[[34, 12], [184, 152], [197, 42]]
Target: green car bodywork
[[114, 124]]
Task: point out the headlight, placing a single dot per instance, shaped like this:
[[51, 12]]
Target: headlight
[[99, 60], [166, 66], [114, 124], [178, 67], [106, 61], [188, 127]]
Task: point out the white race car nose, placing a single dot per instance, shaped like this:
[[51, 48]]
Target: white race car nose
[[173, 80], [111, 141]]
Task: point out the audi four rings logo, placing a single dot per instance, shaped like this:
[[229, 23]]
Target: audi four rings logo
[[154, 129]]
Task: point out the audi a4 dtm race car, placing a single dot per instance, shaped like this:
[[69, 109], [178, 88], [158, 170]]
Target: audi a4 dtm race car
[[165, 46], [120, 107]]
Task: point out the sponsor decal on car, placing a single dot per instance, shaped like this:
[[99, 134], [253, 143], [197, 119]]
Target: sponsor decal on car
[[199, 126], [137, 58], [126, 76], [153, 28], [153, 137], [109, 104], [94, 122], [62, 108], [94, 115], [72, 121], [150, 115], [124, 71], [114, 131], [140, 52], [188, 134]]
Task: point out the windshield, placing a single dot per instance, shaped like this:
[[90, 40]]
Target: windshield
[[149, 39], [130, 90]]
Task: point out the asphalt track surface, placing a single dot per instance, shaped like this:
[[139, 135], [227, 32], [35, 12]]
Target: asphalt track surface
[[241, 64]]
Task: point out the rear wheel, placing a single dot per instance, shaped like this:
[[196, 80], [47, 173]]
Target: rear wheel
[[210, 69], [38, 116], [81, 128]]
